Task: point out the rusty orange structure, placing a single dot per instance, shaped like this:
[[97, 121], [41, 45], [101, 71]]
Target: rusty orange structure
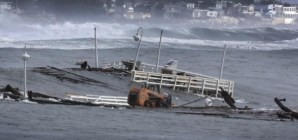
[[150, 96]]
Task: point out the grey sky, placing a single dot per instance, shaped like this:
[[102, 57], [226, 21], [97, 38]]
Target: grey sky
[[290, 1]]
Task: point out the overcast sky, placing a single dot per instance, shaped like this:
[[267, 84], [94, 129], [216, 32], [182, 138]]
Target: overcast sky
[[290, 1]]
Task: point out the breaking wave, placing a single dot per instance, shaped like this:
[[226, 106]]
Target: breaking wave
[[14, 32]]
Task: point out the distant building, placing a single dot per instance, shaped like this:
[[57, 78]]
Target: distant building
[[5, 7], [197, 13], [290, 14], [128, 8], [247, 11], [212, 14], [137, 15], [261, 10], [275, 10], [171, 12]]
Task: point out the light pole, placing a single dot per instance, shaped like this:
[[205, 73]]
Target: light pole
[[223, 61], [158, 55], [137, 37], [25, 57], [96, 55]]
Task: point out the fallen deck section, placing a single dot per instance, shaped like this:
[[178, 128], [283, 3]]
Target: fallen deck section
[[170, 77], [66, 75], [89, 100], [101, 100]]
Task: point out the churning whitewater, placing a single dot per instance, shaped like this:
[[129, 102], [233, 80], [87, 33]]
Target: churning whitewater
[[15, 32]]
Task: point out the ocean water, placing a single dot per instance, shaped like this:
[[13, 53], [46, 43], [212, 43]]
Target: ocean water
[[261, 60]]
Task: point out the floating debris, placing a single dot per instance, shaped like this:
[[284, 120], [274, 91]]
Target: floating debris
[[288, 114]]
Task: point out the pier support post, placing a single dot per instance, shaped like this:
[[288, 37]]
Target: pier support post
[[158, 55], [96, 55], [223, 61], [25, 57]]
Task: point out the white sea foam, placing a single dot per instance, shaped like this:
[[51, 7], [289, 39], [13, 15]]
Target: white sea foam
[[265, 109], [66, 30], [259, 45], [241, 101], [27, 102], [5, 39], [8, 98], [53, 100], [166, 42]]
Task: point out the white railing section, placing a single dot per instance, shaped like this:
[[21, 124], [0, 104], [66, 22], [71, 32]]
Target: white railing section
[[186, 82], [189, 80], [105, 100], [115, 64], [151, 68]]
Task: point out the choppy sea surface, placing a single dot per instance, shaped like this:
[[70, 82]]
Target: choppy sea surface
[[261, 60]]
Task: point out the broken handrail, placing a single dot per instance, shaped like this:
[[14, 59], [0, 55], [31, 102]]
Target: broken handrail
[[115, 100], [284, 108], [227, 98], [192, 101], [47, 99]]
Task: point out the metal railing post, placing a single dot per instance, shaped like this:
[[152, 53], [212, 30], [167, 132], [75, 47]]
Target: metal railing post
[[148, 74], [161, 78], [203, 86], [189, 84], [175, 82], [217, 85]]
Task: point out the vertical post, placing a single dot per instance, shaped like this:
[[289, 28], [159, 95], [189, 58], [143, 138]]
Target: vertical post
[[96, 55], [216, 89], [229, 87], [175, 82], [25, 57], [147, 78], [189, 83], [223, 61], [25, 77], [158, 55], [161, 78], [203, 86], [137, 38]]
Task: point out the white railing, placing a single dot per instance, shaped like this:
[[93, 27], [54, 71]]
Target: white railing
[[186, 82], [145, 67], [105, 100], [115, 64], [189, 80], [151, 68]]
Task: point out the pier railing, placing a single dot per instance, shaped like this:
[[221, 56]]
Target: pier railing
[[145, 67], [188, 83], [106, 100], [186, 80]]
